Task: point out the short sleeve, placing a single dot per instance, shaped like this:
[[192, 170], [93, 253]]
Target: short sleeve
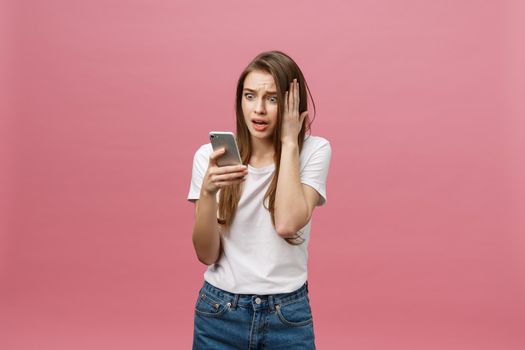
[[200, 165], [315, 171]]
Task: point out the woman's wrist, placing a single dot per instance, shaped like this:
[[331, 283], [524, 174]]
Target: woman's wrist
[[206, 194], [289, 143]]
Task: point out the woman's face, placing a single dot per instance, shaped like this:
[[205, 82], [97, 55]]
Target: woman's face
[[259, 104]]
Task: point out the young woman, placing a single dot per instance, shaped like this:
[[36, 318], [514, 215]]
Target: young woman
[[252, 223]]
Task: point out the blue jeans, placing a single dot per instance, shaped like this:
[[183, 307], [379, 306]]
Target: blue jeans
[[247, 321]]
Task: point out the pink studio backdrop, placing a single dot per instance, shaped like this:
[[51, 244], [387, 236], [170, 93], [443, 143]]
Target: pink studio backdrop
[[103, 104]]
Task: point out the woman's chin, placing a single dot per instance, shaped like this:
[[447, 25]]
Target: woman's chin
[[262, 134], [265, 136]]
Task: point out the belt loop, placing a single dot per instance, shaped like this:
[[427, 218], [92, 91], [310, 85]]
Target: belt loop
[[234, 302], [271, 302]]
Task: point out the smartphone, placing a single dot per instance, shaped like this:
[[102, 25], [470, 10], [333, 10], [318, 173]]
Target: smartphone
[[226, 140]]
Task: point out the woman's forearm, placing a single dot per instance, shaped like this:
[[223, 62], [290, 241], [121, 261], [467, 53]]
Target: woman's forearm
[[206, 238], [291, 208]]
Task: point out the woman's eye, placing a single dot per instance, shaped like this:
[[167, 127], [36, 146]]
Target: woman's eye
[[249, 96]]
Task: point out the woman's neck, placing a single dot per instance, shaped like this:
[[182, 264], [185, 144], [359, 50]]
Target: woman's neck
[[262, 149]]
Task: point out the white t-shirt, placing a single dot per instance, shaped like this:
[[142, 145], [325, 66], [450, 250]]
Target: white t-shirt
[[255, 259]]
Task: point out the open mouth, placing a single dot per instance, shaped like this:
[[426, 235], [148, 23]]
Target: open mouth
[[259, 125]]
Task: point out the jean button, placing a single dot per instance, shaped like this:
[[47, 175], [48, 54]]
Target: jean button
[[257, 300]]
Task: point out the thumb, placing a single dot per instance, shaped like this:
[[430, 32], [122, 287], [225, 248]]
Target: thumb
[[302, 116], [215, 155]]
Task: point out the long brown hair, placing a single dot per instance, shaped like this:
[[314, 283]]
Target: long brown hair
[[284, 70]]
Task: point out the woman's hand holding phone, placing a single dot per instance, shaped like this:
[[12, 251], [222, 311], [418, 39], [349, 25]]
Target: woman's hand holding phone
[[217, 177]]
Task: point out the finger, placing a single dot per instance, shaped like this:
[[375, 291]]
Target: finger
[[286, 102], [228, 183], [229, 169], [215, 155], [303, 116], [290, 98], [296, 95], [227, 177]]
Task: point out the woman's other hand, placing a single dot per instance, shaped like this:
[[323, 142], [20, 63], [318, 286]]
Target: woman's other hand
[[292, 121]]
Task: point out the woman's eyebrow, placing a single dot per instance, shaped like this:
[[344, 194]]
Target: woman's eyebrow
[[269, 92]]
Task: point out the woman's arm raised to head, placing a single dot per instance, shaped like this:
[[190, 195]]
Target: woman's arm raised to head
[[299, 192], [293, 207]]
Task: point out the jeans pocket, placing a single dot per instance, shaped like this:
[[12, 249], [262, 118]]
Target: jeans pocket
[[209, 306], [296, 313]]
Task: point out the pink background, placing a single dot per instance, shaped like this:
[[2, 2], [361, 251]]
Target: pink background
[[103, 104]]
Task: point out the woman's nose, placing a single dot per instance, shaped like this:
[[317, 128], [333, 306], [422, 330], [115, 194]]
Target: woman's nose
[[259, 108]]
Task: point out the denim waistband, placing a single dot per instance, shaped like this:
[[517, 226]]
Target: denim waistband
[[265, 300]]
